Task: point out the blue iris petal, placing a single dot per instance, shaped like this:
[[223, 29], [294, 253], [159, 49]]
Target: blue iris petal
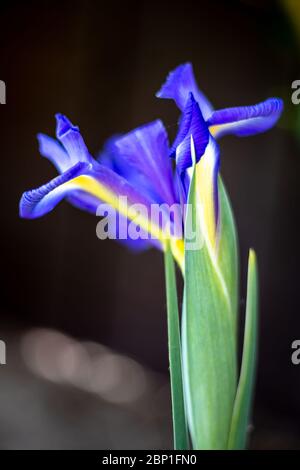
[[112, 158], [72, 140], [39, 201], [146, 151], [122, 173], [246, 120], [84, 201], [193, 124], [180, 82], [58, 153], [54, 151]]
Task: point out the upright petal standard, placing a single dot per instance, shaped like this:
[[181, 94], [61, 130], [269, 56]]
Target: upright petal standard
[[240, 121]]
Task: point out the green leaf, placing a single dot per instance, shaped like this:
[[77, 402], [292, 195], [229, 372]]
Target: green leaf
[[180, 432], [209, 330], [243, 401], [228, 247]]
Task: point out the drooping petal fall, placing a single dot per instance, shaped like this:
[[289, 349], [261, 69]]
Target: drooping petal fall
[[40, 201], [246, 120], [102, 184]]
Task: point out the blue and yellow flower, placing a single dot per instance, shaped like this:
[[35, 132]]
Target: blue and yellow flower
[[143, 169], [137, 165], [205, 125]]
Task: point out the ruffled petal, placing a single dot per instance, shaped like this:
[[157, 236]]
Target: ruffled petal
[[107, 187], [179, 84], [88, 182], [72, 140], [246, 120], [192, 124], [145, 150], [42, 200], [54, 151]]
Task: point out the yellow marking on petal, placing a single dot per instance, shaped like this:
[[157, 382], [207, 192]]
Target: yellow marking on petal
[[214, 129], [204, 174], [205, 196], [104, 194], [218, 128]]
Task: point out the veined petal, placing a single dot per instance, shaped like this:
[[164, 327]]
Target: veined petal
[[106, 186], [246, 120], [112, 158], [72, 140], [83, 201], [54, 151], [42, 200], [191, 124], [146, 150], [207, 170], [179, 84]]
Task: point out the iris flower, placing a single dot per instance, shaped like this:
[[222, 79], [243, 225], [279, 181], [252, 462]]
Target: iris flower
[[139, 170], [137, 165]]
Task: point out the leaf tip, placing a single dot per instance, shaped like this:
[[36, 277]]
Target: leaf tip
[[252, 257]]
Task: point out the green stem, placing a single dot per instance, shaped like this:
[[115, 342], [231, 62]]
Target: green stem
[[181, 441]]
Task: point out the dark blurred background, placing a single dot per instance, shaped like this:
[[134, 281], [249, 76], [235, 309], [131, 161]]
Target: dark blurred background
[[84, 321]]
